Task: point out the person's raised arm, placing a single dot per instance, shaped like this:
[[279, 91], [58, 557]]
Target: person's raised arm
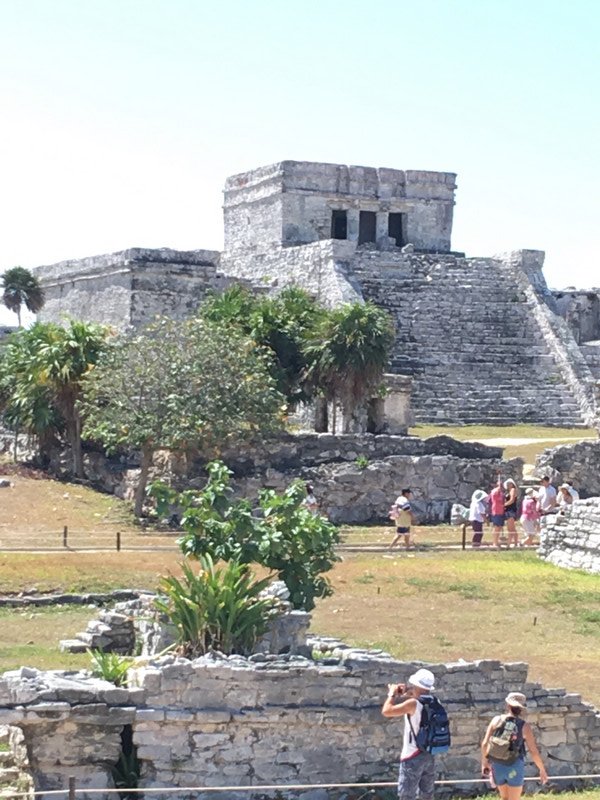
[[534, 752], [397, 703]]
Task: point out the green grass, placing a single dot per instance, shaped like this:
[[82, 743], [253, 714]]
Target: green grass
[[30, 637], [475, 432]]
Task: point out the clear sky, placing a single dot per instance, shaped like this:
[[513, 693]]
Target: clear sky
[[120, 119]]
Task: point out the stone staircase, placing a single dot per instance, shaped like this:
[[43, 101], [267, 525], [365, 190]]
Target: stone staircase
[[591, 353], [467, 334]]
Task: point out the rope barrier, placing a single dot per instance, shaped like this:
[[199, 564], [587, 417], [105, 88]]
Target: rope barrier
[[274, 787]]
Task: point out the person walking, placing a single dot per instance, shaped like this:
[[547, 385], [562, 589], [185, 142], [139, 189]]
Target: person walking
[[505, 745], [417, 768], [530, 516], [404, 517], [497, 512], [511, 511], [477, 514]]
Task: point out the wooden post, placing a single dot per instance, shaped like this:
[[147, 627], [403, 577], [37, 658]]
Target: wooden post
[[464, 536], [71, 787], [118, 541], [65, 535]]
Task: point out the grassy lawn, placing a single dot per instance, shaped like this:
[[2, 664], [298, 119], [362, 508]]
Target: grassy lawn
[[545, 437], [433, 606]]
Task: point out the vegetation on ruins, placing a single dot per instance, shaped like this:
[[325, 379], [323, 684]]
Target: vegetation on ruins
[[42, 370], [216, 608], [348, 353], [21, 288], [280, 323], [339, 354], [281, 535], [110, 667], [186, 387]]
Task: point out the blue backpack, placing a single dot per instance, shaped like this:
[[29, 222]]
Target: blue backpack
[[433, 735]]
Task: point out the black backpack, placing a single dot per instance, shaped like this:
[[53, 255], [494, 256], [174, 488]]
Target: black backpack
[[506, 742], [433, 735]]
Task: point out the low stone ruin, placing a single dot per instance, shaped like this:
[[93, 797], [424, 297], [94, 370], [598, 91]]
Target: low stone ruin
[[272, 719], [136, 627], [572, 539]]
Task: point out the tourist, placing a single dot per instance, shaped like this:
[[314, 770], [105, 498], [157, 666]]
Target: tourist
[[511, 511], [310, 501], [547, 499], [566, 497], [505, 745], [404, 517], [530, 516], [573, 490], [497, 512], [417, 768], [477, 515]]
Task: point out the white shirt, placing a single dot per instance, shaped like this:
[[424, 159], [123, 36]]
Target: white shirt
[[546, 497], [477, 510], [409, 747]]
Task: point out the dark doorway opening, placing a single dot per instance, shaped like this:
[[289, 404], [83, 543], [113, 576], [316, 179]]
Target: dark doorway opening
[[339, 224], [396, 228], [367, 227]]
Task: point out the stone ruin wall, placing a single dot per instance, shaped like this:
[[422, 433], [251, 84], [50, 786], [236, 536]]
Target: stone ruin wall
[[572, 539], [130, 288], [439, 470], [578, 463], [291, 203], [273, 720]]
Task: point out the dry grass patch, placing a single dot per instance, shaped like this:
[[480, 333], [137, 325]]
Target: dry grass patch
[[84, 572], [435, 607]]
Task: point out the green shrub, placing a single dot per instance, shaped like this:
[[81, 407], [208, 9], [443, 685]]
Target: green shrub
[[285, 537], [110, 666], [362, 462], [216, 609]]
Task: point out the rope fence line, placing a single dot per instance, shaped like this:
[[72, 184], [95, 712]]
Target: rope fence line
[[72, 789]]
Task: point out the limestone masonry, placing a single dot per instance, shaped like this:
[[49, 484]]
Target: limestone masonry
[[482, 338]]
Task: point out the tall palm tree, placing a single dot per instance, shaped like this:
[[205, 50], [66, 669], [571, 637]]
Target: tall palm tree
[[348, 355], [21, 287], [63, 358]]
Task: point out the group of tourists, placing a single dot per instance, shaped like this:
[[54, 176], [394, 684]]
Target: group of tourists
[[504, 748], [503, 507]]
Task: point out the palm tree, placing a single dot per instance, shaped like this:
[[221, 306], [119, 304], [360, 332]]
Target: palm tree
[[62, 360], [21, 287], [348, 355]]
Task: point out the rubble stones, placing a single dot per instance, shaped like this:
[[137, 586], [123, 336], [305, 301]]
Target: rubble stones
[[572, 539]]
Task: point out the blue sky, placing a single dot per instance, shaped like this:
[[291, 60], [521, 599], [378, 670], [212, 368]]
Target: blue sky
[[122, 118]]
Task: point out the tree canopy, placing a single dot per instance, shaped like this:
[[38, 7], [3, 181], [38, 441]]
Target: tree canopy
[[21, 288], [281, 323], [180, 386], [41, 374]]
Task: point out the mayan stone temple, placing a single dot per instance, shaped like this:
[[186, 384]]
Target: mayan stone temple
[[483, 339]]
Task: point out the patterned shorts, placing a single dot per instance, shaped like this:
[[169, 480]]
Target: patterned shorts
[[417, 776]]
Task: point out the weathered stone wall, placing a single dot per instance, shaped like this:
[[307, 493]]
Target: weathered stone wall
[[440, 470], [131, 287], [581, 311], [273, 719], [290, 203], [577, 463], [572, 539], [351, 494]]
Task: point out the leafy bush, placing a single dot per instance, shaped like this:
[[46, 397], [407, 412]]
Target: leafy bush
[[362, 462], [284, 536], [216, 609], [110, 666]]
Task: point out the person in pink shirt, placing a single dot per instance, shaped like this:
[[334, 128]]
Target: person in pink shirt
[[497, 512], [530, 516]]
